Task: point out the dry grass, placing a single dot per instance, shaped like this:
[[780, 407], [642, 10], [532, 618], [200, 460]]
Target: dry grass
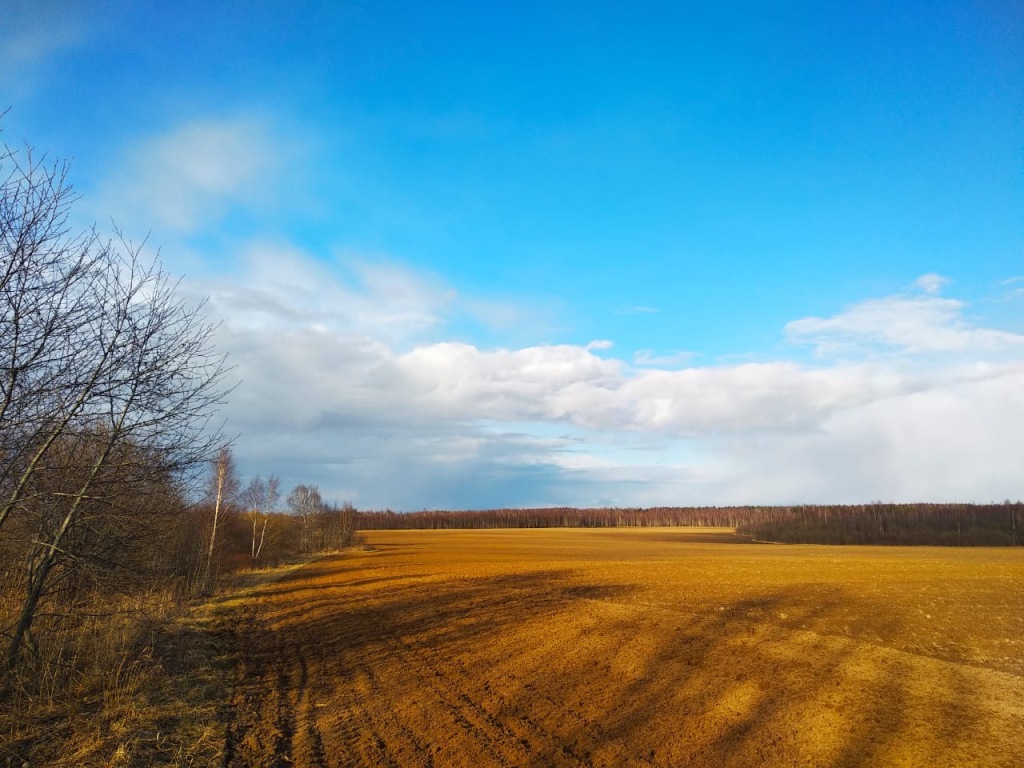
[[632, 648], [136, 680], [107, 690]]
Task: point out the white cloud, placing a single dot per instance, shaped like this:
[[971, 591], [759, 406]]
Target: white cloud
[[350, 382], [931, 283], [282, 290], [547, 383], [957, 440], [192, 175], [904, 324], [647, 357]]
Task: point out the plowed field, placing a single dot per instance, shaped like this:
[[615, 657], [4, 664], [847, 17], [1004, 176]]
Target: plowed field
[[657, 647]]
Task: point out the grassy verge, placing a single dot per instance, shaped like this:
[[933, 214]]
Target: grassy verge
[[143, 682]]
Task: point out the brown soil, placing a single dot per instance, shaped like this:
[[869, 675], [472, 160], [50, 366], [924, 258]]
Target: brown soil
[[661, 647]]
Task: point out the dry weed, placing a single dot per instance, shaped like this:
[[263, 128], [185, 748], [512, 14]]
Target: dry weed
[[134, 681]]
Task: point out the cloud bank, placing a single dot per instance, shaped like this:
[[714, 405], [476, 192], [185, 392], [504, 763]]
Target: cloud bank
[[348, 381]]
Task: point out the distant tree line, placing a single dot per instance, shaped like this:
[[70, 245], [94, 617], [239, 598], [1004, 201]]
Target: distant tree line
[[968, 525], [937, 524], [552, 517]]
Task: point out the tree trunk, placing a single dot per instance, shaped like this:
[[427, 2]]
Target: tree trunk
[[39, 575], [262, 534], [222, 470]]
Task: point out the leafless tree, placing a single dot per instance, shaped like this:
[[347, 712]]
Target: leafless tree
[[223, 490], [335, 526], [305, 502], [260, 497], [109, 381], [48, 284]]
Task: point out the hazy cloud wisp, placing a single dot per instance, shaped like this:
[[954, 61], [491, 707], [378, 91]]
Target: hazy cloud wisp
[[195, 173]]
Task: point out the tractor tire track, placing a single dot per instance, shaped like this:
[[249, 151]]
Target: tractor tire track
[[494, 741]]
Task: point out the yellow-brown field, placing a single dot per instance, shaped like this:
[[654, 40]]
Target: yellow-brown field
[[656, 647]]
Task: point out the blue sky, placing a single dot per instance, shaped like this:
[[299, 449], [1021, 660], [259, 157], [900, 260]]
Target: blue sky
[[572, 253]]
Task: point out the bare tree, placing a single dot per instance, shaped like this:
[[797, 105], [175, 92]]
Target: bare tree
[[48, 285], [335, 526], [273, 496], [223, 490], [305, 502], [347, 524], [260, 497], [109, 380]]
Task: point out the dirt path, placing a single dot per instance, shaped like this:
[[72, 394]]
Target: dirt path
[[458, 649]]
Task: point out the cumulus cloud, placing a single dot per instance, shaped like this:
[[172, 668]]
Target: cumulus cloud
[[349, 381], [190, 176]]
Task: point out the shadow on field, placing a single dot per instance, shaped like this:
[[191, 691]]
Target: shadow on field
[[742, 682]]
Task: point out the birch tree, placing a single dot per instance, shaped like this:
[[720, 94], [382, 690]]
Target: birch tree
[[260, 498], [305, 502], [223, 491]]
